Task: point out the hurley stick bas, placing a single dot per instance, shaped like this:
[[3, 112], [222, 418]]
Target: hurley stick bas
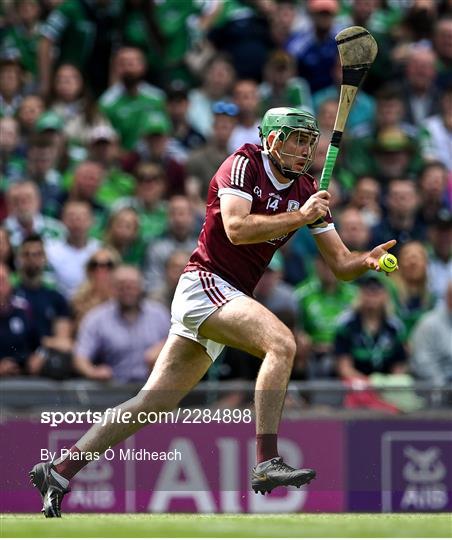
[[357, 51]]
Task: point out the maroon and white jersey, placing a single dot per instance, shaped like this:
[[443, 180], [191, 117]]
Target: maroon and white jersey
[[247, 174]]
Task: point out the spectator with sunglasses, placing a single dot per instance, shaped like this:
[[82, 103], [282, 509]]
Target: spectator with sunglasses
[[98, 285], [204, 162], [67, 258]]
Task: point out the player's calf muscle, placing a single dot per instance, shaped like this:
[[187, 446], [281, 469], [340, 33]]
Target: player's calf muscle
[[160, 401]]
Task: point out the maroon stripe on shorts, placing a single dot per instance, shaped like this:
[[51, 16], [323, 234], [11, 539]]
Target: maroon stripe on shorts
[[206, 289], [216, 291]]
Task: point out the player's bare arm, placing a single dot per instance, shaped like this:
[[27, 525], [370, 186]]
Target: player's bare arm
[[345, 264], [244, 228]]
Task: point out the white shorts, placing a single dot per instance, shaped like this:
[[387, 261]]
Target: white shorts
[[198, 294]]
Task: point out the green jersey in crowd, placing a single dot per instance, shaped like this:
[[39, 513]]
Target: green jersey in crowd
[[115, 185], [70, 26], [85, 34], [18, 38], [127, 111], [153, 223], [296, 94], [319, 311]]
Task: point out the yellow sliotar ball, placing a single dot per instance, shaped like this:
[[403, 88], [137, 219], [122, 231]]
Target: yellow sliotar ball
[[387, 262]]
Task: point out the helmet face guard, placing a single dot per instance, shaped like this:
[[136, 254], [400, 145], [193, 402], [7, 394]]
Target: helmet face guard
[[301, 128], [304, 146]]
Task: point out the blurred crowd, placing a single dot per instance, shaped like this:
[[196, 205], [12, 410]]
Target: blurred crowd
[[115, 114]]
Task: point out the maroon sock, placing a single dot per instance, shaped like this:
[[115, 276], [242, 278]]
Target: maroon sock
[[71, 464], [266, 446]]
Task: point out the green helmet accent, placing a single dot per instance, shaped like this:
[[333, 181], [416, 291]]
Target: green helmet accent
[[283, 121], [286, 119]]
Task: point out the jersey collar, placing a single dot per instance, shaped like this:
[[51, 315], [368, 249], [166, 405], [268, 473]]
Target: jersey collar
[[278, 185]]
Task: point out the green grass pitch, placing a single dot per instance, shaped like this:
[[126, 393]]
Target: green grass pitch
[[227, 525]]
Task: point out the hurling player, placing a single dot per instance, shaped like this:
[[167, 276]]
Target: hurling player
[[256, 201]]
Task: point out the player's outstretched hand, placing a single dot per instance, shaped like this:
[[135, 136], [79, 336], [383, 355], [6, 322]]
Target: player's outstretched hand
[[315, 207], [372, 260]]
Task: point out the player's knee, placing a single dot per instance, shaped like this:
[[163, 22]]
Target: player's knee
[[290, 347], [285, 346]]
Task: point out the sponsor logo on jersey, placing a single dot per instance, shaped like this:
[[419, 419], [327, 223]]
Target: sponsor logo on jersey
[[292, 206]]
